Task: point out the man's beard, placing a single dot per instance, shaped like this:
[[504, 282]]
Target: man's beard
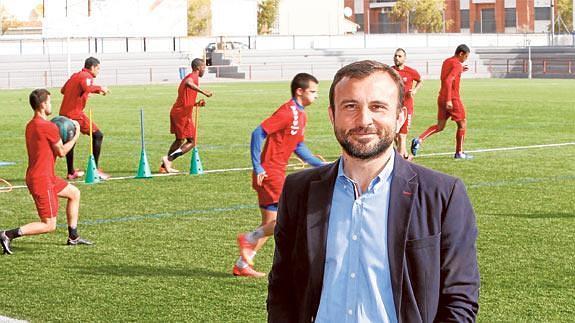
[[365, 151]]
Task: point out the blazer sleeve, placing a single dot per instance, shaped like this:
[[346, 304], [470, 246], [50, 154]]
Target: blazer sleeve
[[459, 292], [281, 304]]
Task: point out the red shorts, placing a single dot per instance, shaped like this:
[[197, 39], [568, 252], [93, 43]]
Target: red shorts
[[456, 114], [406, 125], [45, 195], [182, 126], [84, 122], [271, 189]]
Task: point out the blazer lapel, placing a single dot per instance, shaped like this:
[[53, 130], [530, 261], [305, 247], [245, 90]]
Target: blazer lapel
[[318, 208], [402, 194]]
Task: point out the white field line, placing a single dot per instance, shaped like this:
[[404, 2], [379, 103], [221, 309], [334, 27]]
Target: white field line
[[4, 319], [294, 165]]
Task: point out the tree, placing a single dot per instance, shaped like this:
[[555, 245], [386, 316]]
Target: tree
[[267, 13], [425, 15], [565, 11], [199, 16]]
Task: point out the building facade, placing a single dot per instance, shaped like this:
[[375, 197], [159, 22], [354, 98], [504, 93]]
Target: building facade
[[464, 16]]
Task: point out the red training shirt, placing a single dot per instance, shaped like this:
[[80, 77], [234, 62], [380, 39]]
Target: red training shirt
[[408, 75], [451, 70], [285, 129], [186, 96], [40, 136], [76, 92]]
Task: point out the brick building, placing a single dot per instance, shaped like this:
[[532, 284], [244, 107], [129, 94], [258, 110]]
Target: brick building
[[466, 16]]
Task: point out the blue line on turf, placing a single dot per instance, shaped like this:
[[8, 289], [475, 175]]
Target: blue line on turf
[[521, 181], [164, 215]]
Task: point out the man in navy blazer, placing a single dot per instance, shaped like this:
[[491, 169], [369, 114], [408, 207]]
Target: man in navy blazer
[[372, 237]]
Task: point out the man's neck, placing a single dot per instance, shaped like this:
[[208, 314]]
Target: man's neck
[[400, 67], [41, 114], [364, 171]]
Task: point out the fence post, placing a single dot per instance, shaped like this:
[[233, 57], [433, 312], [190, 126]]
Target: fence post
[[427, 67], [507, 61], [569, 67], [544, 66], [151, 75], [45, 78], [250, 71], [116, 76]]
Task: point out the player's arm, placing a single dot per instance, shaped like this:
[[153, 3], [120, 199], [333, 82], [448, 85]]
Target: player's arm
[[62, 149], [89, 87], [190, 83], [448, 83], [303, 152], [417, 83], [258, 138], [63, 89]]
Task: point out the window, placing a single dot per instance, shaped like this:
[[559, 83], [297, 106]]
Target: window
[[464, 19], [359, 20], [510, 17], [542, 13]]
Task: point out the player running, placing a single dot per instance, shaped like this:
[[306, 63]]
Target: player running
[[411, 84], [76, 92], [283, 133], [44, 144], [181, 123], [449, 103]]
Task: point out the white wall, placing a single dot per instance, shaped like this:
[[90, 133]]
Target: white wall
[[311, 17], [113, 18], [234, 17]]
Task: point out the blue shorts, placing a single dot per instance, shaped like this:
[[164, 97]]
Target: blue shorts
[[270, 207]]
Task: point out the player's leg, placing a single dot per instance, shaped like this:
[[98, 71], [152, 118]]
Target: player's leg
[[459, 139], [187, 146], [442, 116], [416, 142], [251, 242], [97, 139], [166, 162], [46, 200], [401, 137], [72, 194]]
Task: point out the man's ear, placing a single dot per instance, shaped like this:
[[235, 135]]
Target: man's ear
[[401, 119], [330, 111]]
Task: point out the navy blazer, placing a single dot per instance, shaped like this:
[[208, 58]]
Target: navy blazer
[[431, 245]]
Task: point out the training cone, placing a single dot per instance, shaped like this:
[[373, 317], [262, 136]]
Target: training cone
[[196, 165], [144, 168], [92, 176]]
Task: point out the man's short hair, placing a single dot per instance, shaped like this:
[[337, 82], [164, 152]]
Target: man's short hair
[[401, 50], [91, 61], [462, 49], [362, 69], [196, 63], [301, 81], [37, 97]]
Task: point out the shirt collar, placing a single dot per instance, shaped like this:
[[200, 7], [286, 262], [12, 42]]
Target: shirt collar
[[299, 106], [382, 177]]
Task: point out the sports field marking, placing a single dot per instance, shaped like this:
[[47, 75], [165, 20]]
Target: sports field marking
[[294, 165], [4, 319], [163, 215], [501, 149]]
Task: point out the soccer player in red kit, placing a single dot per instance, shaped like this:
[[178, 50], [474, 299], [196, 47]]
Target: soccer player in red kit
[[44, 145], [449, 103], [411, 84], [76, 92], [181, 123], [284, 131]]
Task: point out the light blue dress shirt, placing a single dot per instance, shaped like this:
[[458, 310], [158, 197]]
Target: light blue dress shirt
[[357, 280]]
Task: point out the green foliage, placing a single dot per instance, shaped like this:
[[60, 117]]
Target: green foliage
[[199, 17], [425, 15], [565, 11], [267, 13], [165, 246]]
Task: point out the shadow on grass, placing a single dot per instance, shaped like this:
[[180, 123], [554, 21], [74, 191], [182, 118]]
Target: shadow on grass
[[550, 215], [150, 271]]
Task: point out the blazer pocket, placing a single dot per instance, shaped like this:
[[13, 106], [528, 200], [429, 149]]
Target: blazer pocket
[[431, 241]]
